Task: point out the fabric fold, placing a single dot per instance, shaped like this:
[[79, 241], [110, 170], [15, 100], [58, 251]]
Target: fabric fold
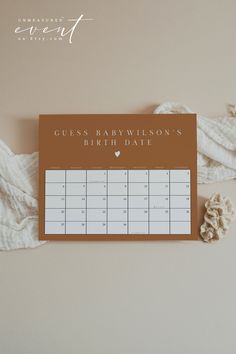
[[216, 144], [18, 200]]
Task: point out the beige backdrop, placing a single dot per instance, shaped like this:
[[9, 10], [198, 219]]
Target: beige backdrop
[[113, 298]]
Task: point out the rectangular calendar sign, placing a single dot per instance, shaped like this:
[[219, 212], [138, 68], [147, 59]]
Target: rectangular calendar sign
[[117, 177]]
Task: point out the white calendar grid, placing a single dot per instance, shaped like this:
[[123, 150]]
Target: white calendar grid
[[118, 201]]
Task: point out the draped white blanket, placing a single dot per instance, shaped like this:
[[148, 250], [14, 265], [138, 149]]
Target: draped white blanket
[[216, 144], [18, 176]]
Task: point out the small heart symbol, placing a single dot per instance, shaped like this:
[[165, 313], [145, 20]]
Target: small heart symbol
[[117, 153]]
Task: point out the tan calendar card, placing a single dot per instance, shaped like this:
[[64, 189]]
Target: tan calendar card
[[117, 177]]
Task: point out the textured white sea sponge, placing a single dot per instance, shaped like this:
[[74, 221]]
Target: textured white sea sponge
[[219, 214]]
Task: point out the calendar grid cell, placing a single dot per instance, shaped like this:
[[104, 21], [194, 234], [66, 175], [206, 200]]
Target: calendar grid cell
[[86, 203], [169, 202], [127, 201], [106, 203], [148, 202], [65, 200]]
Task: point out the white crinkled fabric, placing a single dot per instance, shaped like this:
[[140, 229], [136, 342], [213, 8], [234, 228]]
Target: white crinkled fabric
[[19, 182], [216, 144], [18, 200]]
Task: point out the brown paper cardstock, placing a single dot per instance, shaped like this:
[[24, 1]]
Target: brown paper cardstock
[[118, 177]]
